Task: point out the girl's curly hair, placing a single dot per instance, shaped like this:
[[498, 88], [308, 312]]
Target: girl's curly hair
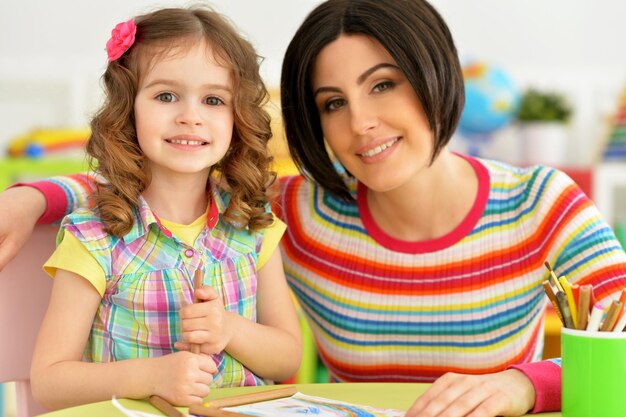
[[113, 147]]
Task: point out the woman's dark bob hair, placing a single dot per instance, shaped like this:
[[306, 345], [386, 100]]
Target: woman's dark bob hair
[[419, 41]]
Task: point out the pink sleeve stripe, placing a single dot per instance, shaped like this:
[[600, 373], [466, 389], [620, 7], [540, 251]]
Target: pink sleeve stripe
[[54, 194], [546, 378]]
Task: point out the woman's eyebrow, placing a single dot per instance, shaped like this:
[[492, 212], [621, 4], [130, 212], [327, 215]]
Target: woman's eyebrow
[[360, 79]]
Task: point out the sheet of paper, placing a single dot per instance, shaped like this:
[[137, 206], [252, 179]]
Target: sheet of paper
[[299, 404], [131, 413]]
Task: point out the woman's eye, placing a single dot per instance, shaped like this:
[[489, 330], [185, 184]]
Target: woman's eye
[[214, 101], [334, 104], [166, 97], [385, 85]]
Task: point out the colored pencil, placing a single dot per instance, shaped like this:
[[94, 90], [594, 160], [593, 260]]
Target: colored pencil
[[596, 317], [584, 300], [567, 288], [210, 408], [165, 407], [576, 293], [198, 282]]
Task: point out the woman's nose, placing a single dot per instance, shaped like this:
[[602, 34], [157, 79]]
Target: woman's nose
[[363, 118]]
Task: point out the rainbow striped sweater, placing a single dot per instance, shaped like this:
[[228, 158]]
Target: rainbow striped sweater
[[471, 301], [468, 302]]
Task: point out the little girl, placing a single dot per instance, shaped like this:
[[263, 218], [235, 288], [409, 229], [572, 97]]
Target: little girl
[[180, 144]]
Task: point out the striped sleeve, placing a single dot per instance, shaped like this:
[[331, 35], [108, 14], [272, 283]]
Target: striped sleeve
[[63, 194]]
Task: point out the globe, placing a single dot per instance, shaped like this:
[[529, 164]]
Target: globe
[[491, 100]]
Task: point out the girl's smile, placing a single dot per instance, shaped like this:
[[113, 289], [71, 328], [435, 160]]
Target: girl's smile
[[187, 141]]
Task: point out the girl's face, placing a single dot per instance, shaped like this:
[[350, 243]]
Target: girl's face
[[371, 117], [184, 111]]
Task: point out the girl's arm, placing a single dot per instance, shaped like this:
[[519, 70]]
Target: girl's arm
[[271, 348], [60, 379]]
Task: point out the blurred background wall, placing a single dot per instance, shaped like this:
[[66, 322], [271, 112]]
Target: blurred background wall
[[52, 54]]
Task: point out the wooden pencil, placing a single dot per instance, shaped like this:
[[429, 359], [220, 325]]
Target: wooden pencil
[[254, 397], [198, 410], [622, 300], [621, 323], [555, 280], [561, 299], [550, 293], [611, 316], [198, 282], [165, 407]]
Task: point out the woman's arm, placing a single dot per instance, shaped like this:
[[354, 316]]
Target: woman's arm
[[64, 194], [60, 379], [506, 393], [47, 201], [271, 348], [19, 210]]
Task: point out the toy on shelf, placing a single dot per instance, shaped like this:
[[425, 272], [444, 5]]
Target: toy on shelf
[[615, 149], [40, 143], [491, 102]]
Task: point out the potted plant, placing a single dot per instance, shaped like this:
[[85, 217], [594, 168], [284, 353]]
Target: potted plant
[[543, 118]]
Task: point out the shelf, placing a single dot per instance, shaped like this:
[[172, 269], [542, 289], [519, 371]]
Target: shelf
[[31, 169]]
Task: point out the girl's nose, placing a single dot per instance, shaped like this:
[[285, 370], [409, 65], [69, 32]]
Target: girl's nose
[[189, 115]]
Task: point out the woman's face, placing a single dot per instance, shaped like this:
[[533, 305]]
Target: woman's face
[[370, 115]]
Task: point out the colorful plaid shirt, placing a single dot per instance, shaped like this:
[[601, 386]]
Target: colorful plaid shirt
[[149, 278]]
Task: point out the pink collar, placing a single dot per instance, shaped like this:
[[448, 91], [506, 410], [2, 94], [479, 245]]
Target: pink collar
[[433, 245]]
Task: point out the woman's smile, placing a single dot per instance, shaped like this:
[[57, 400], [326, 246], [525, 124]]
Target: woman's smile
[[377, 152]]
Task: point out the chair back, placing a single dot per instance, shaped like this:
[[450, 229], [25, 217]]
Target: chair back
[[24, 294]]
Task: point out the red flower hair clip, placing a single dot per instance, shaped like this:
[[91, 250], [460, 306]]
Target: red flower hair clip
[[122, 38]]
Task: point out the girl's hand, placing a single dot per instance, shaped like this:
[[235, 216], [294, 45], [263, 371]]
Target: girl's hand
[[204, 323], [507, 393], [183, 378]]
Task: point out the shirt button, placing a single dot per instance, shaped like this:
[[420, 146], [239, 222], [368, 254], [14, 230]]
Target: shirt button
[[189, 253]]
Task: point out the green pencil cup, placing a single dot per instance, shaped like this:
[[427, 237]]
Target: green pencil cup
[[594, 370]]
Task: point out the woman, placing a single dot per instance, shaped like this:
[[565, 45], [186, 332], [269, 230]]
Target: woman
[[413, 263]]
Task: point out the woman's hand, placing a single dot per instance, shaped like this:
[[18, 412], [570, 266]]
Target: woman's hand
[[204, 323], [20, 208], [507, 393], [183, 378]]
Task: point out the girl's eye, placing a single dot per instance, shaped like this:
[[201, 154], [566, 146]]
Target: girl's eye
[[167, 97], [214, 101], [334, 104], [382, 86]]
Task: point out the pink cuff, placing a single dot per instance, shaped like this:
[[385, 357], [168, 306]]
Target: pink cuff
[[546, 378], [52, 192]]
